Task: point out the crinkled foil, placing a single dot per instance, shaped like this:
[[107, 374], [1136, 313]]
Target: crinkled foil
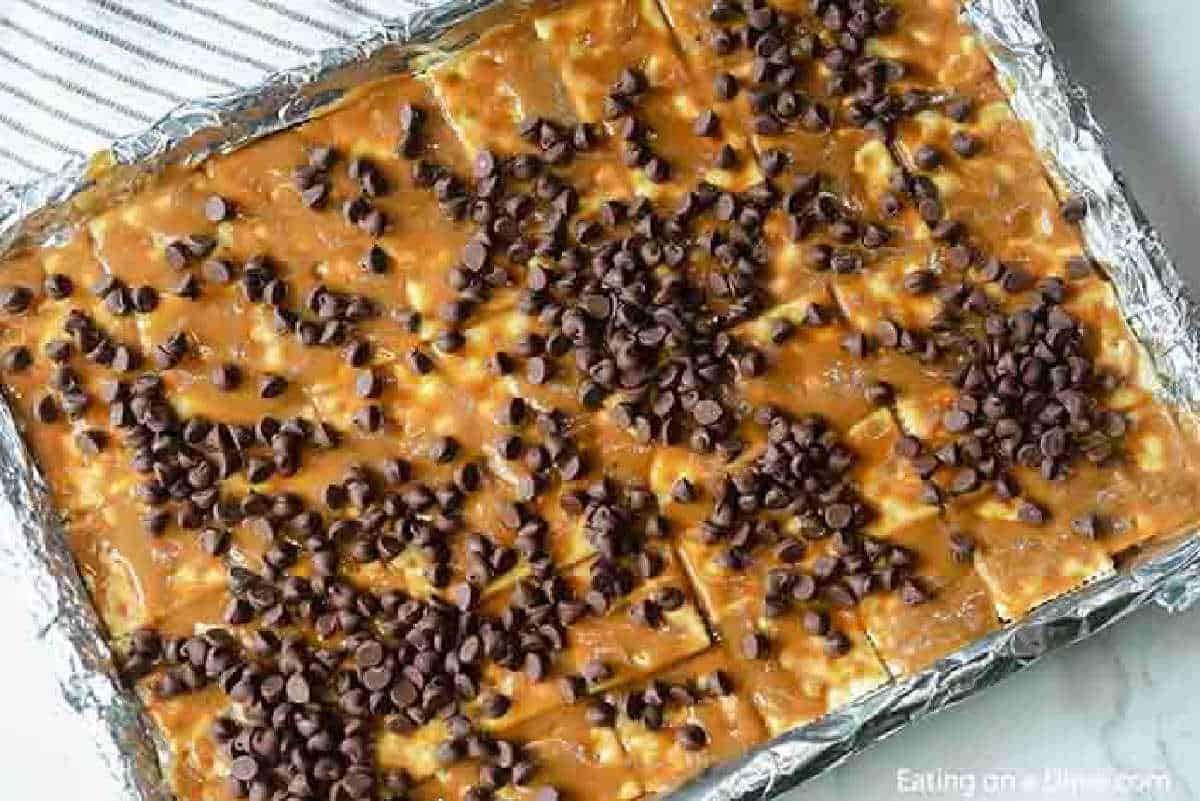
[[1152, 294]]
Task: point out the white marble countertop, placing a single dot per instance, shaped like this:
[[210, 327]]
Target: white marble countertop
[[1118, 708]]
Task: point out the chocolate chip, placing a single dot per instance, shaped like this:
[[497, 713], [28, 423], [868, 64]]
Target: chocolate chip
[[962, 546], [706, 124], [315, 195], [766, 125], [373, 222], [965, 480], [571, 688], [216, 209], [726, 158], [803, 587], [725, 86], [838, 516], [176, 255], [773, 162], [717, 683], [537, 370], [322, 157], [369, 419], [58, 286], [449, 341], [815, 621], [15, 299], [376, 260], [682, 490], [856, 344], [214, 541], [595, 671], [755, 646], [511, 412], [45, 410], [816, 118], [198, 246], [495, 705], [17, 359], [1074, 209], [964, 144], [670, 598], [1087, 525], [930, 210], [420, 362], [912, 593], [956, 421], [217, 271], [145, 299], [691, 737], [707, 412], [226, 377], [1030, 512], [888, 333], [601, 714], [244, 768], [927, 157], [444, 449], [959, 108], [657, 170], [271, 386], [836, 644], [91, 441], [631, 81], [367, 384], [297, 689], [57, 350]]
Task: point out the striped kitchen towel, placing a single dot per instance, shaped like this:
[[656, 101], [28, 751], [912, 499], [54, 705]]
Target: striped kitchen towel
[[79, 73]]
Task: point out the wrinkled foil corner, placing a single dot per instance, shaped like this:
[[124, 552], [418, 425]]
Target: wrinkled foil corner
[[421, 31], [1152, 295], [35, 557]]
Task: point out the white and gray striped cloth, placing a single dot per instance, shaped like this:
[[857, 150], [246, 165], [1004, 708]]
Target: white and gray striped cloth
[[76, 74]]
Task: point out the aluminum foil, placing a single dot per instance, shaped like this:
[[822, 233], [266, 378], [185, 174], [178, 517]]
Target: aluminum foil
[[1156, 303]]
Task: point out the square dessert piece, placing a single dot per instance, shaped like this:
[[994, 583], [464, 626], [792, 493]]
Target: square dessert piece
[[1145, 490], [1026, 562], [780, 577], [612, 642], [620, 65], [530, 114], [572, 751], [951, 608], [943, 604], [578, 753], [687, 719]]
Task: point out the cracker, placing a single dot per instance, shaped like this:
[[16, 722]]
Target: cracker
[[592, 42], [797, 681], [729, 723], [628, 649], [1025, 565], [911, 637]]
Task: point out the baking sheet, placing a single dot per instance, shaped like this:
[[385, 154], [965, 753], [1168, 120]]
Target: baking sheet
[[1152, 295]]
